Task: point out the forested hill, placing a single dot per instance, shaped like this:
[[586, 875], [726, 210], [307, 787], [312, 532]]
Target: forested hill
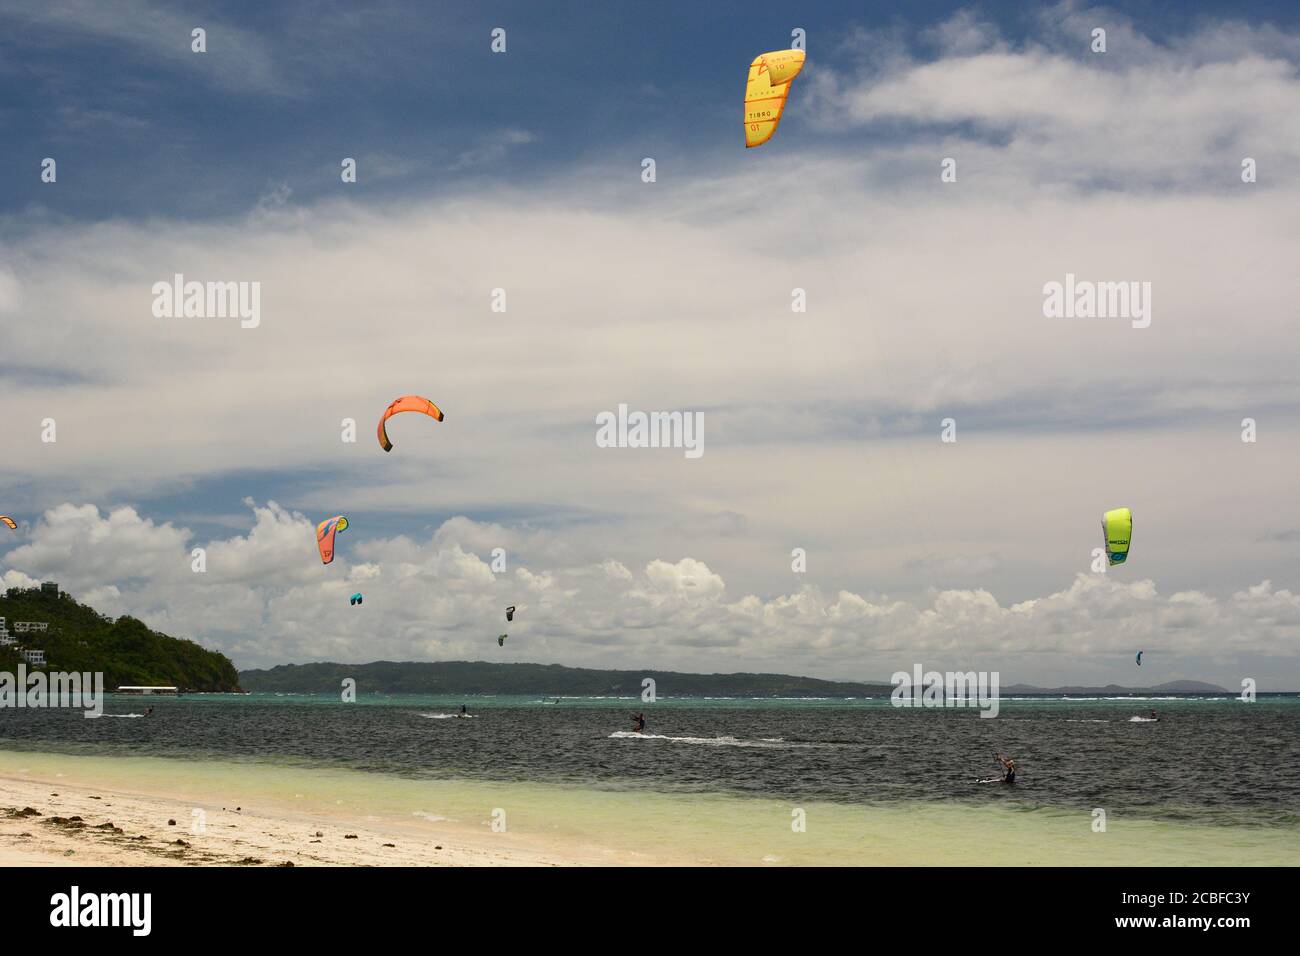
[[124, 650], [478, 677]]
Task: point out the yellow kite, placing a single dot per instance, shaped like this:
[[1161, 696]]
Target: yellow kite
[[770, 76], [1117, 529]]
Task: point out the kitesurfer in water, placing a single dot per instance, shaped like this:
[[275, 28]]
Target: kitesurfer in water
[[1153, 715], [638, 723], [1008, 768], [463, 711]]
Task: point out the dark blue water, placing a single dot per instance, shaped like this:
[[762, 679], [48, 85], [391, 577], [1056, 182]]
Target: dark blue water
[[1206, 760]]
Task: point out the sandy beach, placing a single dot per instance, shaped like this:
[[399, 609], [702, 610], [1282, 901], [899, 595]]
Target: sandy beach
[[60, 817], [62, 809]]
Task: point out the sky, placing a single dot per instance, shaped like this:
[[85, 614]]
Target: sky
[[525, 171]]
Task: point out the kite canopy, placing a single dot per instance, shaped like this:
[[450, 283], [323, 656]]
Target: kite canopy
[[770, 76], [356, 598], [407, 403], [1139, 658], [510, 613], [501, 641], [1117, 527], [5, 519], [325, 532]]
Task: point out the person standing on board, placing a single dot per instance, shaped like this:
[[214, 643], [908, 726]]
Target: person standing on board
[[1008, 768]]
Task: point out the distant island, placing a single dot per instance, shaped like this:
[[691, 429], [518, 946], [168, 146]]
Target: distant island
[[45, 629], [481, 677]]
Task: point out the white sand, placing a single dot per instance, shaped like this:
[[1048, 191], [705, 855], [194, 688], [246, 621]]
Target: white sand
[[141, 834]]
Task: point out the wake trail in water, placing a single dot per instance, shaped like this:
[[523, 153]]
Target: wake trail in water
[[774, 743]]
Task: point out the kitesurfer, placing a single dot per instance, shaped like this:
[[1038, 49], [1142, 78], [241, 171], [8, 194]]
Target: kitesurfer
[[639, 723], [1008, 768]]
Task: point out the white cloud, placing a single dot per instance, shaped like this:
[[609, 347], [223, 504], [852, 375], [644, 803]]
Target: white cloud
[[823, 428], [237, 59], [491, 149], [1181, 110], [266, 599], [924, 301]]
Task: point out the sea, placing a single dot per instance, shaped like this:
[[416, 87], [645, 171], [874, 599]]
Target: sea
[[837, 780]]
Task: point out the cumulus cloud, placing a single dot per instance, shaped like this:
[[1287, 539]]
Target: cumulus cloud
[[265, 598]]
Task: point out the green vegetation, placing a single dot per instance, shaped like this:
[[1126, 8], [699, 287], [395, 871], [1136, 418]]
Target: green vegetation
[[478, 677], [124, 650]]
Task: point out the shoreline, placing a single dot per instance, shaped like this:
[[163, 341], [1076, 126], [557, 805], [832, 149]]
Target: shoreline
[[133, 810]]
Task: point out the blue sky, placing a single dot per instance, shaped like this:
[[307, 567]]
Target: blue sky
[[284, 89], [523, 171]]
